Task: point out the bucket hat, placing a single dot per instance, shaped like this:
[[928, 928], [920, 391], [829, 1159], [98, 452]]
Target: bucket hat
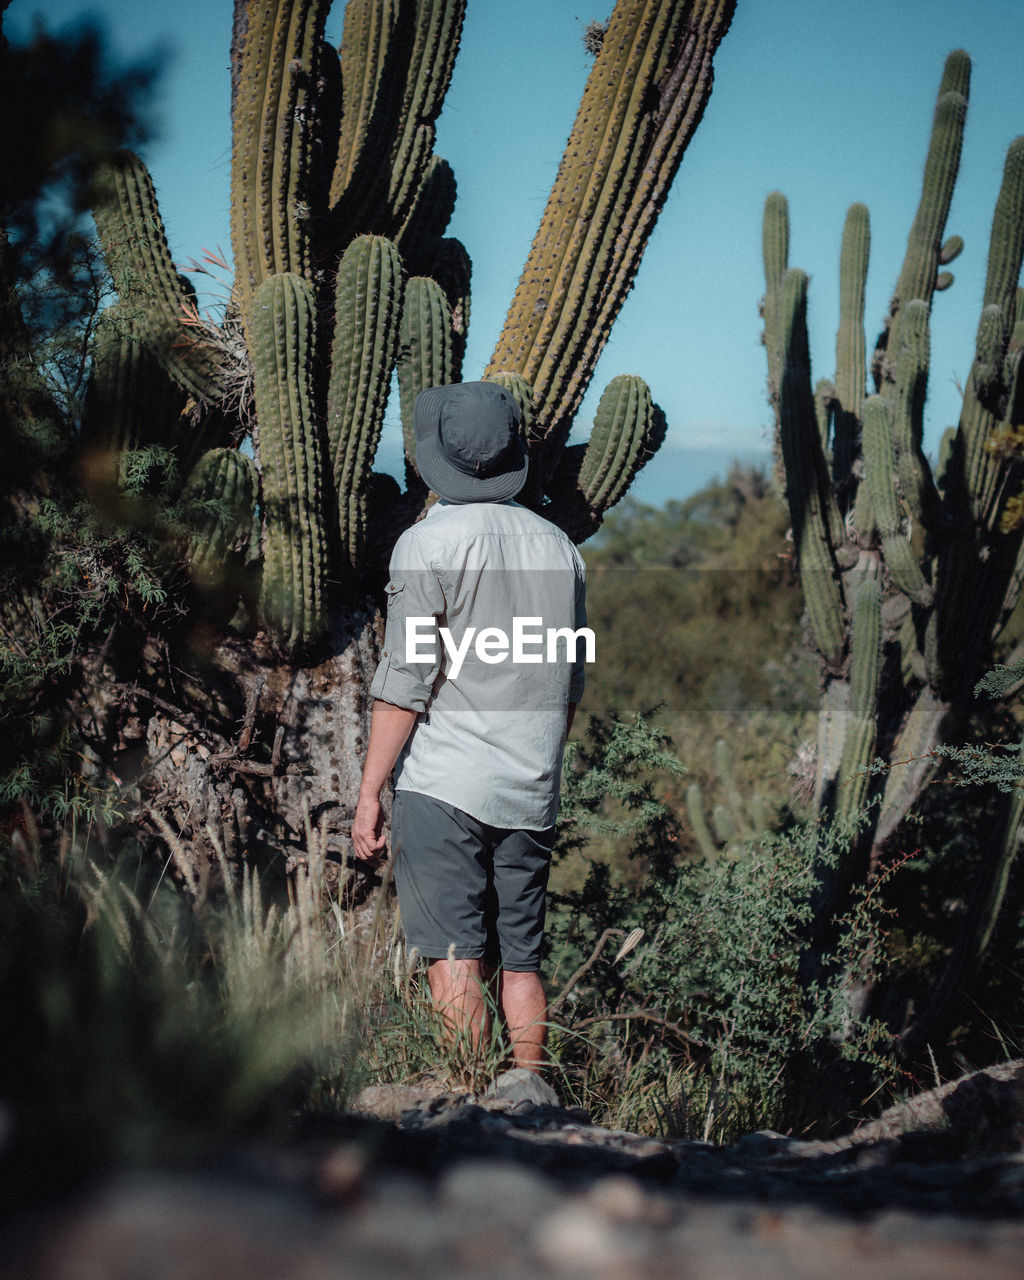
[[468, 442]]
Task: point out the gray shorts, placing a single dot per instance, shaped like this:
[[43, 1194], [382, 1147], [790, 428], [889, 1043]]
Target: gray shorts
[[464, 884]]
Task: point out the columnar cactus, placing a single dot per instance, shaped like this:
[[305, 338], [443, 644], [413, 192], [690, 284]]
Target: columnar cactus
[[274, 66], [425, 356], [736, 819], [295, 545], [368, 300], [130, 402], [624, 429], [220, 495], [135, 246], [643, 100], [908, 576]]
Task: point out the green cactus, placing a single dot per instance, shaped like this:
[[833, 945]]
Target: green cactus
[[291, 219], [161, 308], [931, 561], [329, 147], [425, 354], [619, 442], [294, 554], [436, 32], [736, 820], [812, 506], [865, 670], [643, 98], [129, 404], [274, 59], [220, 495], [851, 355], [369, 297]]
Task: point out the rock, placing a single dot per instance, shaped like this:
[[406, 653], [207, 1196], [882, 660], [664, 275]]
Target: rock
[[520, 1085], [388, 1101]]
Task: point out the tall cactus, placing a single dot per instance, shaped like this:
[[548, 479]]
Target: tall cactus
[[645, 95], [135, 247], [369, 301], [937, 563]]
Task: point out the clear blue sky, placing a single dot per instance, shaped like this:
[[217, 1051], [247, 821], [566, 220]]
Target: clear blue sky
[[829, 101]]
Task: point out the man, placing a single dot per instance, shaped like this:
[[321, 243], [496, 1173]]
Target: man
[[474, 697]]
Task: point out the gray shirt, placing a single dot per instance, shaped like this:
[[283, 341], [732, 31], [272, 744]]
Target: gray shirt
[[485, 601]]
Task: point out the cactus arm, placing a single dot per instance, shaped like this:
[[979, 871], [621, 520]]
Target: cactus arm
[[222, 492], [985, 388], [880, 479], [282, 326], [824, 401], [861, 731], [683, 100], [425, 355], [775, 250], [908, 393], [942, 163], [368, 53], [812, 505], [429, 214], [369, 294], [453, 271], [437, 31], [733, 800], [699, 825], [851, 357], [131, 233], [605, 199], [275, 50], [616, 448], [918, 274], [130, 401]]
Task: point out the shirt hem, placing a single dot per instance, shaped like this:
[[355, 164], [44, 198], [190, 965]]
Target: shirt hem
[[479, 817]]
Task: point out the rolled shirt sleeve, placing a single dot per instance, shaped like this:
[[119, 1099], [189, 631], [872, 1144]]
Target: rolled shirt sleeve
[[411, 658]]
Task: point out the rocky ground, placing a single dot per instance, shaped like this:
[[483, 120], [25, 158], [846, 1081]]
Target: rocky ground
[[414, 1184]]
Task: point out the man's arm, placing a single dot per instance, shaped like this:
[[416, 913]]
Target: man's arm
[[569, 718], [390, 727]]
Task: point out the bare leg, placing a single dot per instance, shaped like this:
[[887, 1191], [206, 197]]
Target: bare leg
[[525, 1008], [456, 987]]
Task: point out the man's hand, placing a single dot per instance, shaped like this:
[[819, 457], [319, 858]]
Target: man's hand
[[368, 828], [390, 726]]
